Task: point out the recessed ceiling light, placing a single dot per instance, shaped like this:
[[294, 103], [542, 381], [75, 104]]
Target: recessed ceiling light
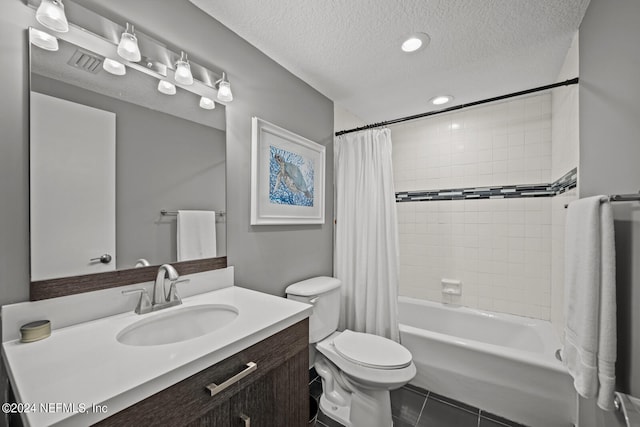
[[442, 99], [411, 44], [415, 42]]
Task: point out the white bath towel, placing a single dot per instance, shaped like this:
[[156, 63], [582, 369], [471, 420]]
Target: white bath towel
[[196, 235], [589, 350]]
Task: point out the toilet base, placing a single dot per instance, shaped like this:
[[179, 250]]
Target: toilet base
[[342, 415], [350, 404], [335, 412]]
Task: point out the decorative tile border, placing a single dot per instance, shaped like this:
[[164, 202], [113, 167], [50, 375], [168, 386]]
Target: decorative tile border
[[565, 183]]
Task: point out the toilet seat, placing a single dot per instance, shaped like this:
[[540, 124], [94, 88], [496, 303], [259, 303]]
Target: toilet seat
[[371, 351]]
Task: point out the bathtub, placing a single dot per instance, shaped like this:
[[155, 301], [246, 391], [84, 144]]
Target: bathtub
[[500, 363]]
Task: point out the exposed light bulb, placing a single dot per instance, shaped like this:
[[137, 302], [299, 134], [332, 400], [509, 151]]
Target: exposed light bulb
[[114, 67], [207, 103], [224, 89], [43, 40], [166, 87], [183, 71], [128, 46], [51, 14]]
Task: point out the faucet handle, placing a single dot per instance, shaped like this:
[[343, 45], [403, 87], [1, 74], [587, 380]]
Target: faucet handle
[[144, 303], [173, 290]]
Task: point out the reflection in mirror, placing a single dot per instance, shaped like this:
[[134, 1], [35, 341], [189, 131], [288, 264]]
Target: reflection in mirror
[[108, 153]]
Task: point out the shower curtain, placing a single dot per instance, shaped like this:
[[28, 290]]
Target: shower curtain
[[366, 257]]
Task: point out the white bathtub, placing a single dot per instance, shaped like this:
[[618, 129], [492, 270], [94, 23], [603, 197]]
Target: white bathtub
[[500, 363]]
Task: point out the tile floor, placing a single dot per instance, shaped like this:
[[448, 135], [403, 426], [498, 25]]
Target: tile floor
[[414, 407]]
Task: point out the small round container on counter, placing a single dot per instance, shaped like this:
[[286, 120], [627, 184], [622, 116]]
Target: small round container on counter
[[35, 331]]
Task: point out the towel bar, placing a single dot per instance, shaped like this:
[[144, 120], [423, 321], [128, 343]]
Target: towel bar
[[630, 408], [165, 212], [620, 198]]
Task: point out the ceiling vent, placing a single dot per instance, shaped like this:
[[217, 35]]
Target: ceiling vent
[[86, 61]]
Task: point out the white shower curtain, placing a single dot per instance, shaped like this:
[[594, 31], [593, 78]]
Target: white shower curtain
[[366, 254]]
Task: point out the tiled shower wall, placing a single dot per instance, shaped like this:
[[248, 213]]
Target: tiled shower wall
[[500, 144], [499, 248]]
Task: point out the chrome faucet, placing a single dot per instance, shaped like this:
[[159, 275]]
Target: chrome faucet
[[161, 299], [172, 274]]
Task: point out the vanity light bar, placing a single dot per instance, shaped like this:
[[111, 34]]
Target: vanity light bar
[[106, 41]]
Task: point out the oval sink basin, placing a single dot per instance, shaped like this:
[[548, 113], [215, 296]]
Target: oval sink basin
[[178, 325]]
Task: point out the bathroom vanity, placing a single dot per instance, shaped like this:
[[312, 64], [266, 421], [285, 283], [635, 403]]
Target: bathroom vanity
[[250, 368], [273, 392]]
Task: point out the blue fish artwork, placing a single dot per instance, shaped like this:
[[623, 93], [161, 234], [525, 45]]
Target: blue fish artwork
[[290, 178]]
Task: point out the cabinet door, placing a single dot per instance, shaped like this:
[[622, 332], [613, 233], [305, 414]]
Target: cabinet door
[[280, 398], [255, 405], [218, 417]]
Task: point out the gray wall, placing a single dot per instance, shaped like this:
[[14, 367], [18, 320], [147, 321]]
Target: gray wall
[[162, 162], [14, 152], [266, 258], [610, 154]]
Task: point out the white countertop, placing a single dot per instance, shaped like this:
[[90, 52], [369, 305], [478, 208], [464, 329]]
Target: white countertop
[[84, 365]]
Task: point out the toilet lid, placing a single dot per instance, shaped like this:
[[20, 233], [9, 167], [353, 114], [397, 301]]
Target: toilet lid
[[371, 351]]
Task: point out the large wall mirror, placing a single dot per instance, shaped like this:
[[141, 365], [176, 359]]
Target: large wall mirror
[[108, 153]]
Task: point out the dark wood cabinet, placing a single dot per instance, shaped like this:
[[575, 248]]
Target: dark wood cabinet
[[274, 394]]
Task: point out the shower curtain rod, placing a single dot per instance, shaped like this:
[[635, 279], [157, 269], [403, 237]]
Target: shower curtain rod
[[459, 107]]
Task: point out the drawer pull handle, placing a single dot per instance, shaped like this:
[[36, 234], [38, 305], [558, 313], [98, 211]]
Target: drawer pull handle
[[246, 420], [217, 388]]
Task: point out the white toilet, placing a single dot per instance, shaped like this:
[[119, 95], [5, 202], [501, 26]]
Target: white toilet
[[357, 369]]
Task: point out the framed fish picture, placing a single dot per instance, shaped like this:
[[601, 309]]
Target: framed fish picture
[[287, 176]]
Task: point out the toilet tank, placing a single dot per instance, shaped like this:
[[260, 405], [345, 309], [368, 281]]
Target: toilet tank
[[324, 294]]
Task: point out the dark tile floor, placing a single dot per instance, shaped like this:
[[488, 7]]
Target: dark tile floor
[[414, 407]]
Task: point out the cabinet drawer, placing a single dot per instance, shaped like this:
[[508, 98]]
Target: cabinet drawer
[[190, 400]]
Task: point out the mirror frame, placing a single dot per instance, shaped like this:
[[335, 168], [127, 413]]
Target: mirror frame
[[53, 288]]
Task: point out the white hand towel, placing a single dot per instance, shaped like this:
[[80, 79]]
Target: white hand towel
[[589, 351], [196, 235]]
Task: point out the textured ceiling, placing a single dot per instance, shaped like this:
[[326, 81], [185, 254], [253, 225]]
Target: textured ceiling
[[349, 50]]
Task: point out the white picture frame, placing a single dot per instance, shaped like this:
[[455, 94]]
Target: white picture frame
[[287, 176]]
